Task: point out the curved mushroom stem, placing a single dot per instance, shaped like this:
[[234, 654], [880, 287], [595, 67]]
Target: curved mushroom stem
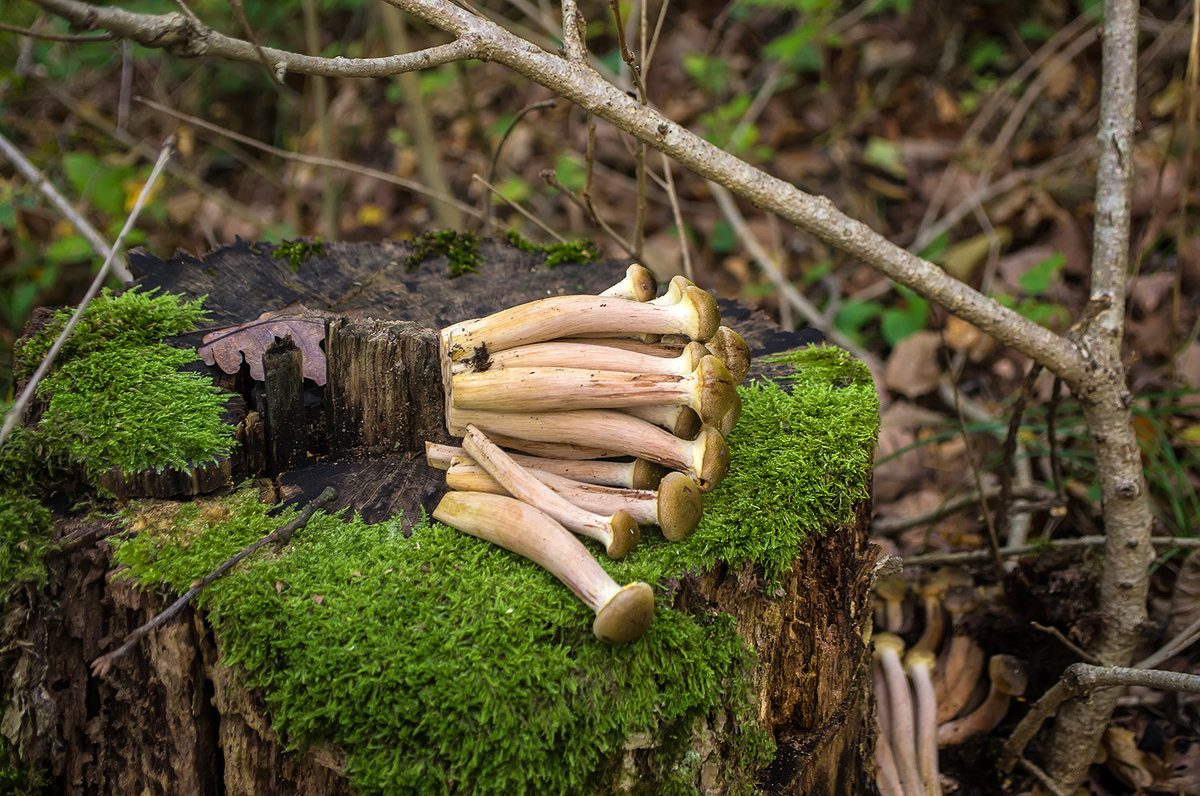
[[1008, 679], [887, 776], [696, 314], [708, 390], [888, 649], [639, 284], [705, 459], [931, 586], [675, 291], [617, 532], [891, 592], [959, 602], [638, 474], [623, 613], [596, 356], [964, 667], [675, 508], [919, 664]]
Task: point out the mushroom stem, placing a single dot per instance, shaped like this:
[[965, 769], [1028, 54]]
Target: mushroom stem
[[675, 508], [888, 649], [596, 356], [964, 667], [623, 613], [638, 474], [931, 586], [639, 284], [1008, 679], [891, 591], [919, 664], [695, 314], [959, 601], [707, 390], [682, 421], [617, 532], [705, 459]]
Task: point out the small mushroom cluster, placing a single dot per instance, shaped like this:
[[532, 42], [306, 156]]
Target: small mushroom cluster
[[935, 695], [548, 395]]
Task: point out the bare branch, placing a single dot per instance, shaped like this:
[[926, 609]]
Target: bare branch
[[815, 214], [47, 189], [17, 411], [184, 37]]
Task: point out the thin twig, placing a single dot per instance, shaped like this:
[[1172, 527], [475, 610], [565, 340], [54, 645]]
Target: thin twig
[[551, 179], [353, 168], [574, 33], [102, 665], [894, 525], [1084, 678], [1024, 394], [1059, 636], [67, 37], [1181, 641], [668, 184], [47, 189], [320, 94], [17, 410], [239, 11], [1037, 548], [486, 209], [516, 206], [993, 539]]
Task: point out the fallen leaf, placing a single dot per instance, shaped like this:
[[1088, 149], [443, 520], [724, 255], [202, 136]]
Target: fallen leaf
[[318, 598], [226, 348], [1185, 599], [913, 368], [1125, 760]]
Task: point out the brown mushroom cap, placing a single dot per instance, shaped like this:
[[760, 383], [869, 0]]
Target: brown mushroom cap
[[1008, 674], [625, 535], [715, 463], [729, 346], [680, 505], [626, 616]]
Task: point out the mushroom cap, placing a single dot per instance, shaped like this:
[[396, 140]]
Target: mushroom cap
[[717, 394], [714, 463], [625, 535], [728, 346], [626, 615], [891, 588], [888, 642], [728, 420], [687, 423], [1008, 675], [960, 599], [643, 285], [919, 656], [705, 315], [680, 505], [646, 474]]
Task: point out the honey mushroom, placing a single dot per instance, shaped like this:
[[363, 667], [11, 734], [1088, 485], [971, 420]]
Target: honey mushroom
[[639, 284], [889, 648], [675, 507], [617, 531], [623, 613], [1008, 679], [637, 474]]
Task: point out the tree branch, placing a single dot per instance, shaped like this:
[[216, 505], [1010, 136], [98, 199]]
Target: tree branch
[[583, 86], [184, 37]]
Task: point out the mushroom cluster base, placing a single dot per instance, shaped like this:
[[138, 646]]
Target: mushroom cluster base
[[397, 655]]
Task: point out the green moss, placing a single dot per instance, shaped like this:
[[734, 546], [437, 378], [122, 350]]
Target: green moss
[[461, 248], [296, 252], [131, 407], [439, 663], [134, 318], [26, 534], [575, 251]]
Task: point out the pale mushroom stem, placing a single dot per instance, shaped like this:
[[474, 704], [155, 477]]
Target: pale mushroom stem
[[889, 648], [705, 459], [638, 474], [623, 613], [617, 532], [639, 284], [596, 356]]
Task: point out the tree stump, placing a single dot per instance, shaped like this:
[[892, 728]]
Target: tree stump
[[173, 718]]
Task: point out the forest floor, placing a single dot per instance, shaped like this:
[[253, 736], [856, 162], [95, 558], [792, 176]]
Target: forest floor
[[962, 131]]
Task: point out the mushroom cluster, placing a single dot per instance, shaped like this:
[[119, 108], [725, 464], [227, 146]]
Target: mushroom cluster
[[589, 415], [935, 694]]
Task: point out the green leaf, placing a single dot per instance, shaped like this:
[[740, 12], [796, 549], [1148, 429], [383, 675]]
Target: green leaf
[[71, 249], [721, 239], [885, 155], [571, 170], [853, 315], [910, 317], [1038, 279]]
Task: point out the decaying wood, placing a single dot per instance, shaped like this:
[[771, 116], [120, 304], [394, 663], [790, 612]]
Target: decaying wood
[[172, 719], [287, 430]]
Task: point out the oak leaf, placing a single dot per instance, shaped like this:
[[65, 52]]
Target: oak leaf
[[226, 348]]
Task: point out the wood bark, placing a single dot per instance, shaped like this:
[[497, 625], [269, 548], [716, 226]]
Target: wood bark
[[172, 719]]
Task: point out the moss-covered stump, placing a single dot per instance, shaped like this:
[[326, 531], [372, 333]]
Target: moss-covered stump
[[400, 656]]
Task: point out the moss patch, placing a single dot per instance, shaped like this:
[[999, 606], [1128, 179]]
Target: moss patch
[[439, 663], [26, 534]]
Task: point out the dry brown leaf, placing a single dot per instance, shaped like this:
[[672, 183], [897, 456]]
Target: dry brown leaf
[[913, 368], [966, 338], [1185, 599], [226, 348], [1125, 760]]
